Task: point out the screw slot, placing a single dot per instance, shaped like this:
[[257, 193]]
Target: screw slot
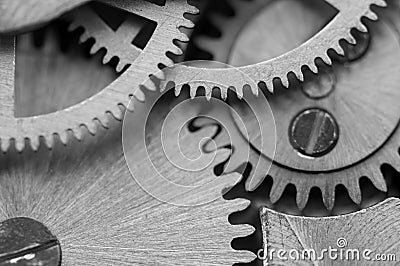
[[24, 241], [314, 132]]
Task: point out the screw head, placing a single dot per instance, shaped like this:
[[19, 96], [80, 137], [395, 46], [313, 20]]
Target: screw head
[[24, 241], [353, 52], [313, 132]]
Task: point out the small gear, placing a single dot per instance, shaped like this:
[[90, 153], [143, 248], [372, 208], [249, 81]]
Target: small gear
[[336, 128], [168, 18], [278, 66]]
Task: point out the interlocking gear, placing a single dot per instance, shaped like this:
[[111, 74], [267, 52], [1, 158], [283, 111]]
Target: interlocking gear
[[348, 17], [334, 129], [101, 216], [169, 18]]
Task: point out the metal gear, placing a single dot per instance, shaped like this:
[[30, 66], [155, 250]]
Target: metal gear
[[101, 216], [348, 17], [355, 117], [169, 18]]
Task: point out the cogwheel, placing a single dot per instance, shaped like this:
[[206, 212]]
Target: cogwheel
[[279, 66], [103, 217], [96, 109], [334, 129]]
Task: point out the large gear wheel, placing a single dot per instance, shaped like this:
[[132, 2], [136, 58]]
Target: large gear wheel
[[101, 216], [336, 128], [168, 19], [348, 17]]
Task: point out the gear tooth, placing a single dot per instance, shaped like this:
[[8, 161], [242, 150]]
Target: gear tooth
[[381, 3], [355, 192], [139, 95], [224, 93], [326, 59], [120, 66], [92, 127], [270, 86], [116, 112], [378, 180], [34, 143], [49, 140], [302, 196], [277, 189], [255, 91], [63, 135], [5, 144], [313, 68], [371, 15], [243, 230], [285, 82], [246, 257], [339, 50], [84, 37], [239, 92], [104, 120], [178, 89], [20, 143], [204, 42], [182, 37], [328, 196], [208, 96], [256, 177], [106, 58], [73, 26], [187, 24], [193, 91], [130, 108], [191, 9], [95, 48], [151, 86], [176, 50], [300, 75], [361, 27], [350, 38], [77, 132], [239, 205]]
